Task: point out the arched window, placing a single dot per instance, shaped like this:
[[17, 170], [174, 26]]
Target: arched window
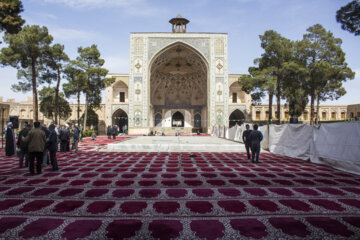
[[177, 120], [197, 120], [158, 119]]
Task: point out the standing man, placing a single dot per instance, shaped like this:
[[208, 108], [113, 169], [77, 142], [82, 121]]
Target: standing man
[[76, 135], [114, 131], [256, 137], [246, 139], [23, 146], [36, 144], [45, 155], [52, 147], [64, 139], [10, 147], [108, 132]]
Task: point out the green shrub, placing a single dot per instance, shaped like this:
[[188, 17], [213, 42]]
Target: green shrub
[[89, 132]]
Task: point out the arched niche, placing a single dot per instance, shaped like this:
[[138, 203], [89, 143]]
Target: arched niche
[[236, 117]]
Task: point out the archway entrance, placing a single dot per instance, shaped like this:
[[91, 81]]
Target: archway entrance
[[236, 117], [177, 120], [178, 81], [120, 118]]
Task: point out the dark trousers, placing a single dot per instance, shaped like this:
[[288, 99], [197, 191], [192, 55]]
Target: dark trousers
[[247, 147], [24, 154], [109, 136], [114, 136], [53, 160], [63, 145], [39, 158], [255, 149]]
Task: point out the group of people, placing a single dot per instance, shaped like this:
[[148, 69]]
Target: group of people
[[114, 131], [40, 143], [252, 139]]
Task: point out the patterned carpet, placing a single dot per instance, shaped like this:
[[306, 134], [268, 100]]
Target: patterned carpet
[[99, 195]]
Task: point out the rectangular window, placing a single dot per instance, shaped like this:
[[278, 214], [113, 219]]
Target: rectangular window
[[323, 117], [343, 115], [275, 116], [333, 116], [257, 115], [267, 115], [234, 97], [122, 97]]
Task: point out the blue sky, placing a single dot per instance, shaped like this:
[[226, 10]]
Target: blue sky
[[108, 23]]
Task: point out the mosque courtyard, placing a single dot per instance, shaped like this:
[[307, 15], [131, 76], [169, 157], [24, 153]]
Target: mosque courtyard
[[101, 194]]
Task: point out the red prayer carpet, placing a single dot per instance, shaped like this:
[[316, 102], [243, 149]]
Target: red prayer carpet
[[109, 195]]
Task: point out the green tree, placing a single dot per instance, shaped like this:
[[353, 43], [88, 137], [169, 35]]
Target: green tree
[[26, 51], [349, 17], [48, 104], [75, 85], [92, 117], [90, 64], [259, 83], [267, 77], [10, 20], [293, 88], [56, 59], [321, 54]]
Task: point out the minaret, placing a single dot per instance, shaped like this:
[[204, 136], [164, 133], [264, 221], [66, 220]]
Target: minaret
[[179, 24]]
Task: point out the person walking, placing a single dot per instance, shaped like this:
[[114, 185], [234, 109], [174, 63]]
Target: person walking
[[36, 143], [51, 144], [23, 146], [114, 131], [108, 132], [64, 139], [10, 147], [256, 137], [247, 140], [76, 137], [46, 153]]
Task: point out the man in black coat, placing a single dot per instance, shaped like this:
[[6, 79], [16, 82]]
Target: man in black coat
[[10, 146], [247, 140], [52, 147], [23, 146], [108, 133], [114, 131], [64, 139]]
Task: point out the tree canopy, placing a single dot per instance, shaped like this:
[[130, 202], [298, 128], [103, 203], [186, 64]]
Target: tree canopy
[[48, 103], [349, 17], [27, 51], [10, 20]]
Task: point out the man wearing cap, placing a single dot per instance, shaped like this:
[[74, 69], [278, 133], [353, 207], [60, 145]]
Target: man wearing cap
[[36, 139], [10, 147]]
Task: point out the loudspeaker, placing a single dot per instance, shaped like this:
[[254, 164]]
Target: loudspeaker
[[15, 121]]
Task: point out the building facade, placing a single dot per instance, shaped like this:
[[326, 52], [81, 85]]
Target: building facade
[[179, 82]]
